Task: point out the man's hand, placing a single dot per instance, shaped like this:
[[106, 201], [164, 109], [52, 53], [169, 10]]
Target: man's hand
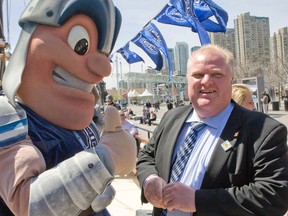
[[153, 188], [179, 196]]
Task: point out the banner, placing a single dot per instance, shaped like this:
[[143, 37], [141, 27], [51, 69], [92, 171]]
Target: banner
[[151, 41], [151, 50], [186, 9], [128, 55], [195, 14], [170, 15], [199, 15], [204, 9]]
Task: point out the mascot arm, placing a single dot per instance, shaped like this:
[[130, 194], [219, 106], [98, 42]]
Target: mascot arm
[[71, 186], [77, 182], [121, 148], [84, 179], [119, 143], [18, 164]]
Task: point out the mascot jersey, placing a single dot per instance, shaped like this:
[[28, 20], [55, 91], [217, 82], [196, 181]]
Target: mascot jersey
[[56, 144]]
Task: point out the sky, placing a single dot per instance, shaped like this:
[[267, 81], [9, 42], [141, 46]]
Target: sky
[[137, 13]]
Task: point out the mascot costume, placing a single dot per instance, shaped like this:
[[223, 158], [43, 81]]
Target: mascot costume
[[53, 160]]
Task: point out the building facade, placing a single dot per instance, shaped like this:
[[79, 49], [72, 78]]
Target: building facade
[[279, 56], [252, 40], [165, 69], [279, 47], [181, 54], [226, 40]]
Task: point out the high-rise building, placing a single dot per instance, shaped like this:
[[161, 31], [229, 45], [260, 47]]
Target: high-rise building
[[279, 53], [181, 53], [279, 48], [226, 40], [194, 48], [171, 54], [165, 69], [252, 40]]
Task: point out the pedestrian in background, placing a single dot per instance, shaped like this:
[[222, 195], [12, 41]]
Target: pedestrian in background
[[242, 95], [130, 127], [169, 105], [152, 117], [265, 101], [110, 102], [145, 116]]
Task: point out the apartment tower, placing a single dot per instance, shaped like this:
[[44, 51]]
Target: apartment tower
[[252, 40], [181, 54], [224, 39]]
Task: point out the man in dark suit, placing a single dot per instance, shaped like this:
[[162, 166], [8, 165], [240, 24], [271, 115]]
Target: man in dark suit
[[238, 165]]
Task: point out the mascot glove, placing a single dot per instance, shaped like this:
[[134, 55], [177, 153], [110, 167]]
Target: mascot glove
[[104, 199], [120, 144]]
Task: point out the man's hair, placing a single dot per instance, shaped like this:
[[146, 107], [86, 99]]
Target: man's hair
[[226, 54]]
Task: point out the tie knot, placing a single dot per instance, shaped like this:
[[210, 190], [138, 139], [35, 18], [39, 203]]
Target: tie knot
[[197, 126]]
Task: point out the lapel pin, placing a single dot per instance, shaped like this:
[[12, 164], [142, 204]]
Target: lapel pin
[[226, 145], [236, 134]]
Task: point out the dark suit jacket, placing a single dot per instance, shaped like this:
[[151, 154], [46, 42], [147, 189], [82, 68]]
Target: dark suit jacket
[[249, 179]]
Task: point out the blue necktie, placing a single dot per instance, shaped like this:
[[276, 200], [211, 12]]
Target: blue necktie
[[184, 153]]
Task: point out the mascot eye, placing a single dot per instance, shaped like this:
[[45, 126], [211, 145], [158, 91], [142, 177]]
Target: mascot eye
[[78, 39]]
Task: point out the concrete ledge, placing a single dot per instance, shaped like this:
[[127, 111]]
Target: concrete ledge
[[156, 122]]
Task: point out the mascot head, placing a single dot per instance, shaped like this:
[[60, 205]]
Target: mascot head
[[62, 52], [104, 14]]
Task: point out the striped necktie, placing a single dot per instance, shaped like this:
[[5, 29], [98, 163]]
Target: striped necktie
[[184, 153]]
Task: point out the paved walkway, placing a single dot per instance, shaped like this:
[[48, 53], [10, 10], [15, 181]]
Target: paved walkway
[[127, 200]]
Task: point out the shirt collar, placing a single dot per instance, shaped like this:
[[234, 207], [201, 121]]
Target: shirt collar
[[211, 121]]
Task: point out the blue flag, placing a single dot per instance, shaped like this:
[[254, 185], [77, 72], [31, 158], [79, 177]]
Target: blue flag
[[151, 41], [151, 50], [170, 15], [195, 14], [204, 9], [128, 55], [186, 9]]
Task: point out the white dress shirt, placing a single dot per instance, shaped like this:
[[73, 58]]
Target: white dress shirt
[[198, 161]]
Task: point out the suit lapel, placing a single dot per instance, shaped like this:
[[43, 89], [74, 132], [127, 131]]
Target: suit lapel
[[221, 153], [174, 132]]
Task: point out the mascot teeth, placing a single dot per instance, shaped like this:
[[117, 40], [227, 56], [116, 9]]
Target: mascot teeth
[[66, 79]]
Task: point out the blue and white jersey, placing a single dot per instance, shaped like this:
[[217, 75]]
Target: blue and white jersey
[[13, 123], [56, 143]]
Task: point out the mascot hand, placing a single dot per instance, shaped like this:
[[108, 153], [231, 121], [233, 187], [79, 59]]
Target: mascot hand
[[104, 199], [120, 144]]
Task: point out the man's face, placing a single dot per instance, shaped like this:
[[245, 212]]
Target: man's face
[[248, 102], [209, 83], [122, 117]]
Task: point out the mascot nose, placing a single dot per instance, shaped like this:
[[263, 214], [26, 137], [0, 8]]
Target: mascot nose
[[99, 64]]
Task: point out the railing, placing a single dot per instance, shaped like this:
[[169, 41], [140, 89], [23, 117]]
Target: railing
[[149, 132]]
